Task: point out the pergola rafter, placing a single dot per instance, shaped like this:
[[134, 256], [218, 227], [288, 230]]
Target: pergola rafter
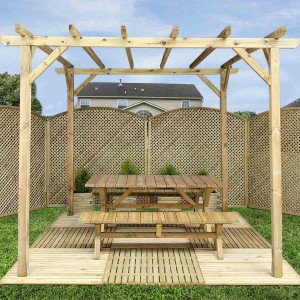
[[24, 33], [128, 50], [225, 33], [173, 35], [276, 34], [76, 34], [271, 45]]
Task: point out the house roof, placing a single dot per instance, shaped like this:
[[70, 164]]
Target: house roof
[[145, 102], [295, 103], [140, 90]]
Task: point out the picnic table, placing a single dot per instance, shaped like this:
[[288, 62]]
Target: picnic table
[[149, 184]]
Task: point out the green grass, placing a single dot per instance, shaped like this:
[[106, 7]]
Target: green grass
[[41, 219]]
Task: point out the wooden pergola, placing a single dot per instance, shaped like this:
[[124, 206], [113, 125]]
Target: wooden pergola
[[270, 44]]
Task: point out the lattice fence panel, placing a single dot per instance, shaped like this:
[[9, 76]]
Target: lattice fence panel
[[103, 139], [9, 161], [190, 140], [259, 161]]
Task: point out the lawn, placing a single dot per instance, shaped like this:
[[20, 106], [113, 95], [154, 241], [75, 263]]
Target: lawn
[[40, 220]]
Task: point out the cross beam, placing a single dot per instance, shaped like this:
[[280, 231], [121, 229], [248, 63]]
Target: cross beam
[[135, 42], [278, 33], [146, 71], [223, 34], [24, 33]]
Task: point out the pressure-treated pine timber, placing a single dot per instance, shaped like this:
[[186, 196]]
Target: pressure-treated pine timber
[[70, 127], [224, 145], [46, 63], [24, 162], [253, 64], [209, 84], [128, 51], [76, 34], [140, 71], [275, 153], [224, 34], [47, 161], [136, 42], [84, 83], [25, 33], [276, 34], [174, 34]]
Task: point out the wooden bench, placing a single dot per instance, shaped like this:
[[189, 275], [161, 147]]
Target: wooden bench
[[159, 219]]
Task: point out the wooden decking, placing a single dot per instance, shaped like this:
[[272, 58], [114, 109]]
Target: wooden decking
[[63, 254]]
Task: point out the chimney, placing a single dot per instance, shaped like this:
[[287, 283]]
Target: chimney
[[120, 84]]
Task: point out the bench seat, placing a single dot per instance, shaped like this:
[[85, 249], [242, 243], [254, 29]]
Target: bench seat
[[159, 219]]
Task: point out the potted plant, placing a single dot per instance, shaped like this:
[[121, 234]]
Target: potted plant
[[169, 170], [128, 167], [83, 198]]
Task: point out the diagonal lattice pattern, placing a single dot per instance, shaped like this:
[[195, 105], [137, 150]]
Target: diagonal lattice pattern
[[103, 139], [259, 161], [9, 160], [190, 140]]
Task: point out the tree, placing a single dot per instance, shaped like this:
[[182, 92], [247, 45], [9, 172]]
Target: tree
[[245, 114], [10, 92]]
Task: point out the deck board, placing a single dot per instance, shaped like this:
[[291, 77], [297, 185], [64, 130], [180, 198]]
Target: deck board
[[63, 254]]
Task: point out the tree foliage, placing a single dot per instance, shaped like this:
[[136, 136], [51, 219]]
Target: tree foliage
[[245, 114], [10, 92]]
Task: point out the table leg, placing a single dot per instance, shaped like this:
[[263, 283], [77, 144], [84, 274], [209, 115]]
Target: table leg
[[206, 198], [218, 245], [97, 241], [103, 198]]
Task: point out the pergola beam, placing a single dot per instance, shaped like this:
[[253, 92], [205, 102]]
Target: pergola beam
[[223, 34], [84, 83], [276, 34], [76, 34], [253, 64], [173, 35], [24, 33], [141, 71], [128, 50], [46, 63], [135, 42], [209, 84]]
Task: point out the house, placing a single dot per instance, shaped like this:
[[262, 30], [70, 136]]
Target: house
[[295, 103], [145, 99]]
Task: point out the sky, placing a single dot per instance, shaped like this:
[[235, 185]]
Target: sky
[[155, 18]]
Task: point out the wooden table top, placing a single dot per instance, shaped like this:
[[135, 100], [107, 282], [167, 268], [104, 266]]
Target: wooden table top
[[153, 181]]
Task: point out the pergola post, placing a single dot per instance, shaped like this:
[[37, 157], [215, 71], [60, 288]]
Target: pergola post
[[24, 162], [275, 154], [69, 73], [224, 76]]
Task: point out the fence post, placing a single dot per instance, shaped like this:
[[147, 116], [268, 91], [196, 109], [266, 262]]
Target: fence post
[[246, 161], [47, 162]]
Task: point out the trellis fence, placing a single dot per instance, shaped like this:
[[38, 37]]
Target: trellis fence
[[187, 138]]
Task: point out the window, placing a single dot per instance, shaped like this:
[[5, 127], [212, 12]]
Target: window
[[84, 102], [122, 103], [185, 103], [144, 113]]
